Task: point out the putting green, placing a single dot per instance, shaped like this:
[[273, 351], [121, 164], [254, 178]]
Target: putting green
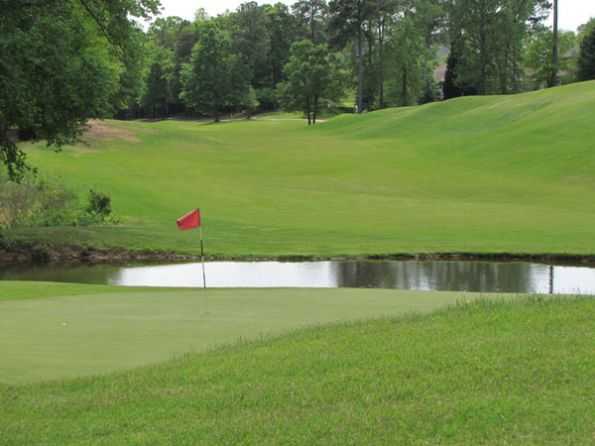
[[78, 330]]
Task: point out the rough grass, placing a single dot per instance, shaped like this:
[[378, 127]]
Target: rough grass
[[477, 174], [507, 373]]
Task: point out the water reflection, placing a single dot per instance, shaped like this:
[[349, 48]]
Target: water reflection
[[411, 275]]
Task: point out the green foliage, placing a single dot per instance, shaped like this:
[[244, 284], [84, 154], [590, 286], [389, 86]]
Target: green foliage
[[36, 202], [267, 98], [312, 16], [585, 29], [586, 62], [158, 92], [314, 76], [453, 86], [215, 80], [538, 57], [99, 206], [412, 63], [490, 36], [64, 67], [250, 102], [251, 43]]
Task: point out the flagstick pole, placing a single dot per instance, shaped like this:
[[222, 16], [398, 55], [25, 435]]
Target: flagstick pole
[[202, 260]]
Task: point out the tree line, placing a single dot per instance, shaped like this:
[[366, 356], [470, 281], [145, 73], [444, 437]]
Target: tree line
[[356, 54], [65, 61]]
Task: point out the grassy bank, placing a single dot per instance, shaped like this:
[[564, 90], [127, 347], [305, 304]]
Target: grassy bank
[[56, 331], [477, 174], [519, 373]]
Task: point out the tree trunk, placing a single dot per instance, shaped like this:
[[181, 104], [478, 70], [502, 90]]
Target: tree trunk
[[315, 110], [404, 88], [360, 62], [312, 25], [483, 56], [381, 30], [555, 45], [360, 74]]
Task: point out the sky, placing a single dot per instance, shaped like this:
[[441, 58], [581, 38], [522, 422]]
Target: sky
[[572, 12]]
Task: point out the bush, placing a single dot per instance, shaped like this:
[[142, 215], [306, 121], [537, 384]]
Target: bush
[[100, 206], [38, 202], [267, 98], [35, 202]]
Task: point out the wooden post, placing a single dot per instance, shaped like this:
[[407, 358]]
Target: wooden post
[[202, 259]]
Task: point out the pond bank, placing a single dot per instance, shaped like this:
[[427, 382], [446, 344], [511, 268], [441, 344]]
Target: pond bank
[[21, 253]]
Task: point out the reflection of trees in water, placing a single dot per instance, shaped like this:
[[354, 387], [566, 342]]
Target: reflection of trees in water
[[57, 273], [454, 276]]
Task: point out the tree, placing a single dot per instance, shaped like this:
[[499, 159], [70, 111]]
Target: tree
[[586, 61], [412, 62], [347, 21], [60, 63], [157, 93], [214, 81], [538, 58], [453, 87], [127, 100], [314, 76], [250, 103], [312, 15], [491, 35], [282, 33], [251, 41], [553, 79]]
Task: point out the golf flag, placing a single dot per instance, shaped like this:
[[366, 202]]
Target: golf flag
[[189, 221]]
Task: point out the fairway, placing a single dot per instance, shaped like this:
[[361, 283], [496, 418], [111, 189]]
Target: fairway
[[52, 331], [477, 174]]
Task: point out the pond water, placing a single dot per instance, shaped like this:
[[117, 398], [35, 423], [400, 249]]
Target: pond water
[[407, 275]]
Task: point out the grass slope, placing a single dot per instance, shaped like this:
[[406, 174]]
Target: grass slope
[[517, 373], [52, 331], [476, 174]]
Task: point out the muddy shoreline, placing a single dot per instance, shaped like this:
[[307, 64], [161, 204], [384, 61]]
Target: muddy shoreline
[[34, 254]]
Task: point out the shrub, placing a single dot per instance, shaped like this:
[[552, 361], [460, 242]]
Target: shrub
[[39, 202], [36, 203], [100, 206]]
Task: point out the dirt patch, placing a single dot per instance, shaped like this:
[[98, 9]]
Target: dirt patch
[[100, 131]]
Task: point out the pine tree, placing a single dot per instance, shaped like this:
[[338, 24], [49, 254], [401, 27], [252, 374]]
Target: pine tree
[[586, 62]]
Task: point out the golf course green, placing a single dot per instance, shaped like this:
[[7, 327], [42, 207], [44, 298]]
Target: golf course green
[[490, 174], [101, 365], [500, 371], [76, 330]]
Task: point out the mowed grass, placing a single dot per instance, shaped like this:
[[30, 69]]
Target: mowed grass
[[58, 331], [476, 174], [516, 372]]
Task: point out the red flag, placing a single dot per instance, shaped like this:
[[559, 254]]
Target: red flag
[[189, 221]]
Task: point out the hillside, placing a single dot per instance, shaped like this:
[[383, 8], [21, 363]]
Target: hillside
[[476, 174]]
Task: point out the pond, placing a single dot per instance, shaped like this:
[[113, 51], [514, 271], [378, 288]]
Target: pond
[[471, 276]]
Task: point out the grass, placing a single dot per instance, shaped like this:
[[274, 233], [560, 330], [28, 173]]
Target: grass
[[516, 372], [59, 331], [477, 174]]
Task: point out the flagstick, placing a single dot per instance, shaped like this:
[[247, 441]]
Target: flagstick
[[202, 260]]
